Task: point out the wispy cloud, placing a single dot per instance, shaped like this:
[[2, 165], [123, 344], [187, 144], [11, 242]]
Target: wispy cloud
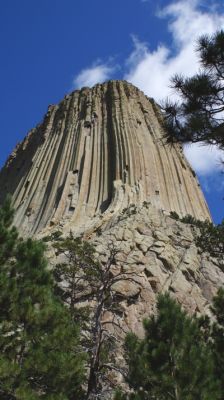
[[213, 184], [97, 73], [205, 159]]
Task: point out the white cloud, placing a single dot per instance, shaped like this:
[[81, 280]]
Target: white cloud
[[97, 73], [204, 159], [151, 70]]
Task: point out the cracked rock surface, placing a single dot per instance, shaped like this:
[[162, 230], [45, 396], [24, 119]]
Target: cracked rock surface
[[163, 254], [95, 153], [160, 254]]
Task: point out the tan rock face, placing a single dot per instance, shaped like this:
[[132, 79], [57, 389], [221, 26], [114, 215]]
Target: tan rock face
[[157, 254], [96, 153], [162, 257]]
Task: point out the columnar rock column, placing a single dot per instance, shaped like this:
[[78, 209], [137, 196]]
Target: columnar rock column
[[94, 154]]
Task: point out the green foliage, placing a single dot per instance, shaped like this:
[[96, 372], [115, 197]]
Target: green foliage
[[8, 234], [199, 115], [78, 278], [188, 219], [172, 361], [211, 239], [174, 215], [54, 236], [98, 231], [218, 307], [146, 204], [131, 210], [217, 336], [39, 343]]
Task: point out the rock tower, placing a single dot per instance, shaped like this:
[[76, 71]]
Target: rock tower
[[94, 154], [97, 167]]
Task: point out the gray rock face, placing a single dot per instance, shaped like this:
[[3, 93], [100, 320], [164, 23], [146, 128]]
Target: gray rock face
[[162, 254], [157, 254], [94, 154]]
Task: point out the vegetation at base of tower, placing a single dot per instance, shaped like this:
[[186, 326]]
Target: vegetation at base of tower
[[217, 336], [8, 234], [42, 350], [199, 117], [82, 278], [174, 215], [210, 237], [178, 358], [41, 357], [76, 276]]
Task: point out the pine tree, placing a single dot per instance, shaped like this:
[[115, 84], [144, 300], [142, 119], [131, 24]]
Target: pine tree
[[217, 335], [198, 117], [211, 239], [8, 233], [172, 361], [82, 278], [40, 354], [78, 277]]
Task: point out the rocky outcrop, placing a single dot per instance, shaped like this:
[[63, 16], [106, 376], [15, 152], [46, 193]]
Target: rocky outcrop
[[158, 254], [95, 153]]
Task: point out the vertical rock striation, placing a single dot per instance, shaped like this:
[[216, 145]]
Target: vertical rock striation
[[93, 155]]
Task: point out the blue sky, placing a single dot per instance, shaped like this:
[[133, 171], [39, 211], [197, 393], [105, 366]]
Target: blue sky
[[50, 47]]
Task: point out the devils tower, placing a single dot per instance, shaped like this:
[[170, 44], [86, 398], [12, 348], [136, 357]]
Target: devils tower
[[94, 154], [98, 163], [98, 167]]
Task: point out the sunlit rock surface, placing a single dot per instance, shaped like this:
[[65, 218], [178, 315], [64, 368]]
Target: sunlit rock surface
[[94, 154]]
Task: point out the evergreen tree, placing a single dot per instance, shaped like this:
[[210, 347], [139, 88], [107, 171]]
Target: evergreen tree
[[172, 361], [78, 277], [211, 239], [8, 233], [199, 115], [40, 355], [217, 335], [82, 278]]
